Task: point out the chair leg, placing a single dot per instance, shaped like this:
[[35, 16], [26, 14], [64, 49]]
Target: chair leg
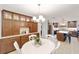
[[53, 52]]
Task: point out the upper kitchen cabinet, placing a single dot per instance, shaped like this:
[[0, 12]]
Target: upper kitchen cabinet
[[27, 19], [13, 22], [22, 21], [15, 28], [7, 15], [22, 18], [6, 23], [16, 17], [6, 28]]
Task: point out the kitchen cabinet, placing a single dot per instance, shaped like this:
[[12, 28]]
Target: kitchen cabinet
[[24, 39], [6, 28], [6, 45], [7, 15], [32, 26], [15, 27], [12, 22]]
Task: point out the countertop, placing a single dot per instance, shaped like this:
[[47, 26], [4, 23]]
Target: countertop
[[16, 35]]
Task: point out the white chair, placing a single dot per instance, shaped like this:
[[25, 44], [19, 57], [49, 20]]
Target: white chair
[[57, 45], [31, 37], [18, 50], [51, 37], [56, 42]]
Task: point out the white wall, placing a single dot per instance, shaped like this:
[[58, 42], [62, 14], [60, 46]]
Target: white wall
[[39, 28], [44, 29], [66, 18]]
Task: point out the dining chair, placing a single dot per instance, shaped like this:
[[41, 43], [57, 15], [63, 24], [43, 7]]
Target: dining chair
[[57, 45], [55, 41], [18, 50], [31, 37], [51, 37]]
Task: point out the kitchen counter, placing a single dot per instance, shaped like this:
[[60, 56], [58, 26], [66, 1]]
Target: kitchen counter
[[16, 35]]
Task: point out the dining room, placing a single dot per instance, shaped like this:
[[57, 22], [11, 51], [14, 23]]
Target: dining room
[[39, 29]]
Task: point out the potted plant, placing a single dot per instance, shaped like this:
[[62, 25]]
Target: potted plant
[[37, 41]]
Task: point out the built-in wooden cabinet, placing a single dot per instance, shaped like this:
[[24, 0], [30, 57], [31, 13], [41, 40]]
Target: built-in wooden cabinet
[[12, 22], [6, 44], [16, 17], [22, 18], [15, 27], [32, 26], [6, 28], [7, 15], [24, 39]]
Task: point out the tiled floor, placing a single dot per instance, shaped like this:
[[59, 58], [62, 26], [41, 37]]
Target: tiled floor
[[66, 48]]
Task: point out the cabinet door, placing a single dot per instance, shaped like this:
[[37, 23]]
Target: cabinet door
[[34, 27], [24, 39], [17, 39], [6, 28], [29, 26], [7, 15], [16, 27], [16, 17], [6, 45], [22, 18]]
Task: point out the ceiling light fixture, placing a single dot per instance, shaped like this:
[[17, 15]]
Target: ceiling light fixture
[[40, 17]]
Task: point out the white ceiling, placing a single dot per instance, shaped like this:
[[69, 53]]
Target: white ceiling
[[48, 10]]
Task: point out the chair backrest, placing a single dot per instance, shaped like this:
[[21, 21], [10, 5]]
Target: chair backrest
[[17, 47], [50, 37], [60, 36], [31, 37], [57, 45], [55, 41]]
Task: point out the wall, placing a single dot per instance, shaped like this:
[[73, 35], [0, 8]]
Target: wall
[[45, 28], [66, 18], [0, 23]]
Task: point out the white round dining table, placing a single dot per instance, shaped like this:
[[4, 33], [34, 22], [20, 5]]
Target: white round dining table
[[30, 48]]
